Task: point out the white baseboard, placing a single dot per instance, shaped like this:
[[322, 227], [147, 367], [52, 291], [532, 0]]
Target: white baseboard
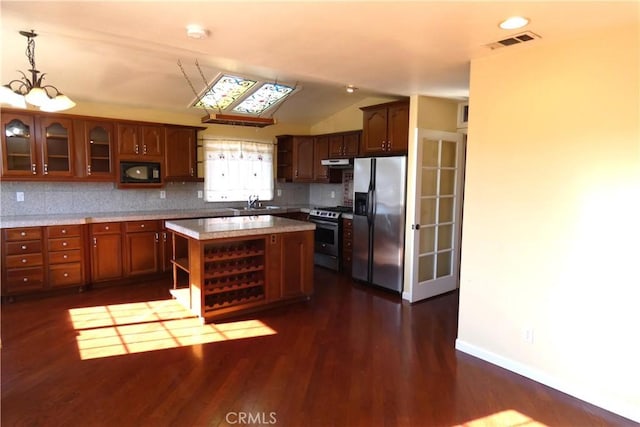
[[621, 408]]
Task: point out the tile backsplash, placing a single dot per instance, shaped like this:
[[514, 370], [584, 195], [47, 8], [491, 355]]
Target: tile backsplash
[[41, 198]]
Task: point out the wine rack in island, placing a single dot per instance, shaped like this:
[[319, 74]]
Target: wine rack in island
[[217, 278], [234, 273]]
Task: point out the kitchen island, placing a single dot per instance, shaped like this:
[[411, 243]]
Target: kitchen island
[[231, 265]]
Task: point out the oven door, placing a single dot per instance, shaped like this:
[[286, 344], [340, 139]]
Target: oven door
[[326, 237]]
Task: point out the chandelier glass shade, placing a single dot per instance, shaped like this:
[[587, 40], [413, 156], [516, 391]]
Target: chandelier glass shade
[[29, 89]]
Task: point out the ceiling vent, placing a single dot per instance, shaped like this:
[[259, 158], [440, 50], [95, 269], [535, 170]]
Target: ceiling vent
[[516, 39]]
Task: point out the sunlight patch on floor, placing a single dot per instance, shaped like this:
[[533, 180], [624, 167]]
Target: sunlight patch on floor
[[112, 330], [508, 418]]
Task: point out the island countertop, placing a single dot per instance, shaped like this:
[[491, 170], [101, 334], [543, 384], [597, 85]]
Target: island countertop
[[236, 226]]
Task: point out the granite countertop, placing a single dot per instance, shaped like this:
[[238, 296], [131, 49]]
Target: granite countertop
[[87, 218], [236, 226]]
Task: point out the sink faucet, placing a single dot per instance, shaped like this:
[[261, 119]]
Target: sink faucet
[[253, 199]]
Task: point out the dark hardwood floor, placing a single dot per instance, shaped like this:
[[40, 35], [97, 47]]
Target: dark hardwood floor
[[352, 356]]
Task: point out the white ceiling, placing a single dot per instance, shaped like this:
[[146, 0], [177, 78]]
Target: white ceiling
[[127, 52]]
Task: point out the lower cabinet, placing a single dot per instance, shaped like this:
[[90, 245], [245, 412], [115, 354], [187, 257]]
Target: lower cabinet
[[65, 250], [142, 248], [347, 246], [38, 259], [106, 251]]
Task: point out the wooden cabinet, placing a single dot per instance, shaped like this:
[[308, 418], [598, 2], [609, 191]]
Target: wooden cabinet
[[385, 129], [347, 245], [95, 149], [140, 142], [180, 154], [344, 145], [65, 255], [295, 158], [106, 251], [36, 259], [299, 159], [303, 150], [296, 273], [37, 146], [142, 248], [22, 260]]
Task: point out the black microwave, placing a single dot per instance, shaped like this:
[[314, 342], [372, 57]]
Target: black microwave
[[139, 173]]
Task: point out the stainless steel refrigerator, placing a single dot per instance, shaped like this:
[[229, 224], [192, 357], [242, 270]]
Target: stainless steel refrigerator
[[379, 185]]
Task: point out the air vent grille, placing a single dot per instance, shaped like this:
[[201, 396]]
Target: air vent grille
[[515, 39]]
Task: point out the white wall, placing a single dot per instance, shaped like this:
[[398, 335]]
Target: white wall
[[551, 236]]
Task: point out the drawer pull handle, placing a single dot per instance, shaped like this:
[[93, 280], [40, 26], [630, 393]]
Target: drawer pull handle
[[24, 260], [25, 279], [66, 274], [64, 243], [23, 233], [106, 227], [64, 231], [65, 256], [23, 247], [141, 225]]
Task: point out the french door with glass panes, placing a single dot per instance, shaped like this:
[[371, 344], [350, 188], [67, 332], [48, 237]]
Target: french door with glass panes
[[433, 239]]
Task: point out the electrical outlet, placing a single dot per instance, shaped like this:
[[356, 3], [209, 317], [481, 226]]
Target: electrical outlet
[[163, 194], [279, 192], [20, 196], [527, 335], [200, 195], [333, 194]]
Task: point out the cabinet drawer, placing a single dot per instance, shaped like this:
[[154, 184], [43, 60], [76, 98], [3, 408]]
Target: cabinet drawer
[[63, 231], [64, 244], [22, 279], [347, 224], [26, 247], [65, 256], [136, 226], [106, 228], [18, 234], [65, 274], [26, 260]]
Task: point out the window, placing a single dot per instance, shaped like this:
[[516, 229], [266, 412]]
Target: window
[[235, 170], [242, 95]]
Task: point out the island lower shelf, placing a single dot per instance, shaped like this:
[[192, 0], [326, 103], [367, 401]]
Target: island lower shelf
[[220, 277]]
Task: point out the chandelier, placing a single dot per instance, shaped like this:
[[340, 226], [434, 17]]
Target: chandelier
[[18, 92]]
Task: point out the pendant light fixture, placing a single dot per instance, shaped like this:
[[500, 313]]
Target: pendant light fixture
[[30, 90]]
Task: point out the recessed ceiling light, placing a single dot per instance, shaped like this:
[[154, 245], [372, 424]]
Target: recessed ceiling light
[[196, 32], [514, 22], [351, 88]]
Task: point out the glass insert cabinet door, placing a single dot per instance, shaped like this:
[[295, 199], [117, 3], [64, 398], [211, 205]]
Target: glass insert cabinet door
[[99, 149], [18, 145], [55, 140]]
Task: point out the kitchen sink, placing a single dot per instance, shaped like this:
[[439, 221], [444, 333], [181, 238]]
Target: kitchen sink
[[256, 208]]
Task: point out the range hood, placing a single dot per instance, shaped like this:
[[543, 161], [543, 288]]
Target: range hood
[[337, 163]]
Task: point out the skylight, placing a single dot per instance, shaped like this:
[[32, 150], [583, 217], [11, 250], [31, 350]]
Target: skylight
[[242, 95]]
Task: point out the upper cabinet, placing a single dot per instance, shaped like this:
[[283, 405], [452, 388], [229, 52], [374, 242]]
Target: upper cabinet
[[95, 146], [321, 151], [295, 158], [180, 154], [385, 129], [36, 146], [18, 145], [344, 145], [140, 142]]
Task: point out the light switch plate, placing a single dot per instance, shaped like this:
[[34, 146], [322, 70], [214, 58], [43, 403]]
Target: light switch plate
[[20, 196], [163, 194], [200, 195]]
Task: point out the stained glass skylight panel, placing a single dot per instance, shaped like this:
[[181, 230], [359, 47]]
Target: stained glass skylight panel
[[263, 98], [224, 92]]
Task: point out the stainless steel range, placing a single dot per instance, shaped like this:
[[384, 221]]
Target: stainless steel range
[[328, 235]]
